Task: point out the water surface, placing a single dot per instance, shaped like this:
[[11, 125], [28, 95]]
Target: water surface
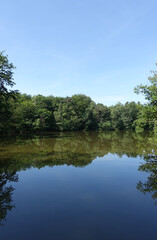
[[79, 186]]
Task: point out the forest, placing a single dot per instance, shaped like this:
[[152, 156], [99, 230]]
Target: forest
[[23, 113]]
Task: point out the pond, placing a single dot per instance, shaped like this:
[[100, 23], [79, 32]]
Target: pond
[[79, 186]]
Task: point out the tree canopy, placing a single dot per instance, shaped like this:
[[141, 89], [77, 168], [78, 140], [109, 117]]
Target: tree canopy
[[22, 113], [147, 118], [6, 75], [6, 94]]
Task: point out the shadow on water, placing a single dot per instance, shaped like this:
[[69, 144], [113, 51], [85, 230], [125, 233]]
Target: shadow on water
[[77, 149]]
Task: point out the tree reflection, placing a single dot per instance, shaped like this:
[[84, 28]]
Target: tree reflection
[[72, 148], [6, 191], [77, 149], [150, 185]]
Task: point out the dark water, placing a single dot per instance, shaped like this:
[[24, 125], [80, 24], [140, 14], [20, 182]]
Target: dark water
[[79, 186]]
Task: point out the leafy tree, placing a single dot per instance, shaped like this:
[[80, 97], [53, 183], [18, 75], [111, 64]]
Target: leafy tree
[[83, 107], [102, 116], [25, 115], [75, 113], [129, 115], [6, 75], [124, 116], [116, 116], [6, 95], [65, 116], [45, 108], [148, 112], [44, 120]]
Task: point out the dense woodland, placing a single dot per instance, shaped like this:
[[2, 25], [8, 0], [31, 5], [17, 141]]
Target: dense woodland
[[22, 113]]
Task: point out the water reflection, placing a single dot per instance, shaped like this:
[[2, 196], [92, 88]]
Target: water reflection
[[76, 149], [150, 185], [6, 191]]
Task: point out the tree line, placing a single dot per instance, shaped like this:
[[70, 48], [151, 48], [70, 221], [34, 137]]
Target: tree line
[[22, 113]]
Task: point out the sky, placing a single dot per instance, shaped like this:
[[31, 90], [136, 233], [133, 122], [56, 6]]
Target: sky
[[99, 48]]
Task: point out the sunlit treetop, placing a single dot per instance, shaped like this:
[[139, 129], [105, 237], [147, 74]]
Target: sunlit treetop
[[149, 91], [6, 74]]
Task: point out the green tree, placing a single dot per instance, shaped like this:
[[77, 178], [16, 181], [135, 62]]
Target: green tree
[[75, 113], [25, 115], [6, 95], [102, 117], [129, 115], [6, 75], [116, 116], [148, 112]]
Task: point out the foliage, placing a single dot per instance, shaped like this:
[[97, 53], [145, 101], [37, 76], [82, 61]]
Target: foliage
[[6, 75], [7, 96], [102, 116], [22, 113], [147, 118], [79, 112], [124, 116]]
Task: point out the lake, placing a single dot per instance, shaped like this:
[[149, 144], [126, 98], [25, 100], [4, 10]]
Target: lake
[[79, 186]]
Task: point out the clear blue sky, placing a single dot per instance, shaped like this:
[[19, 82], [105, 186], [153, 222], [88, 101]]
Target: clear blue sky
[[63, 47]]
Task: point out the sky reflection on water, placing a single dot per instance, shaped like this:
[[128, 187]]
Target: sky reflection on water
[[79, 186]]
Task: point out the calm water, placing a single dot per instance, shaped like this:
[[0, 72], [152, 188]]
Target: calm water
[[79, 186]]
